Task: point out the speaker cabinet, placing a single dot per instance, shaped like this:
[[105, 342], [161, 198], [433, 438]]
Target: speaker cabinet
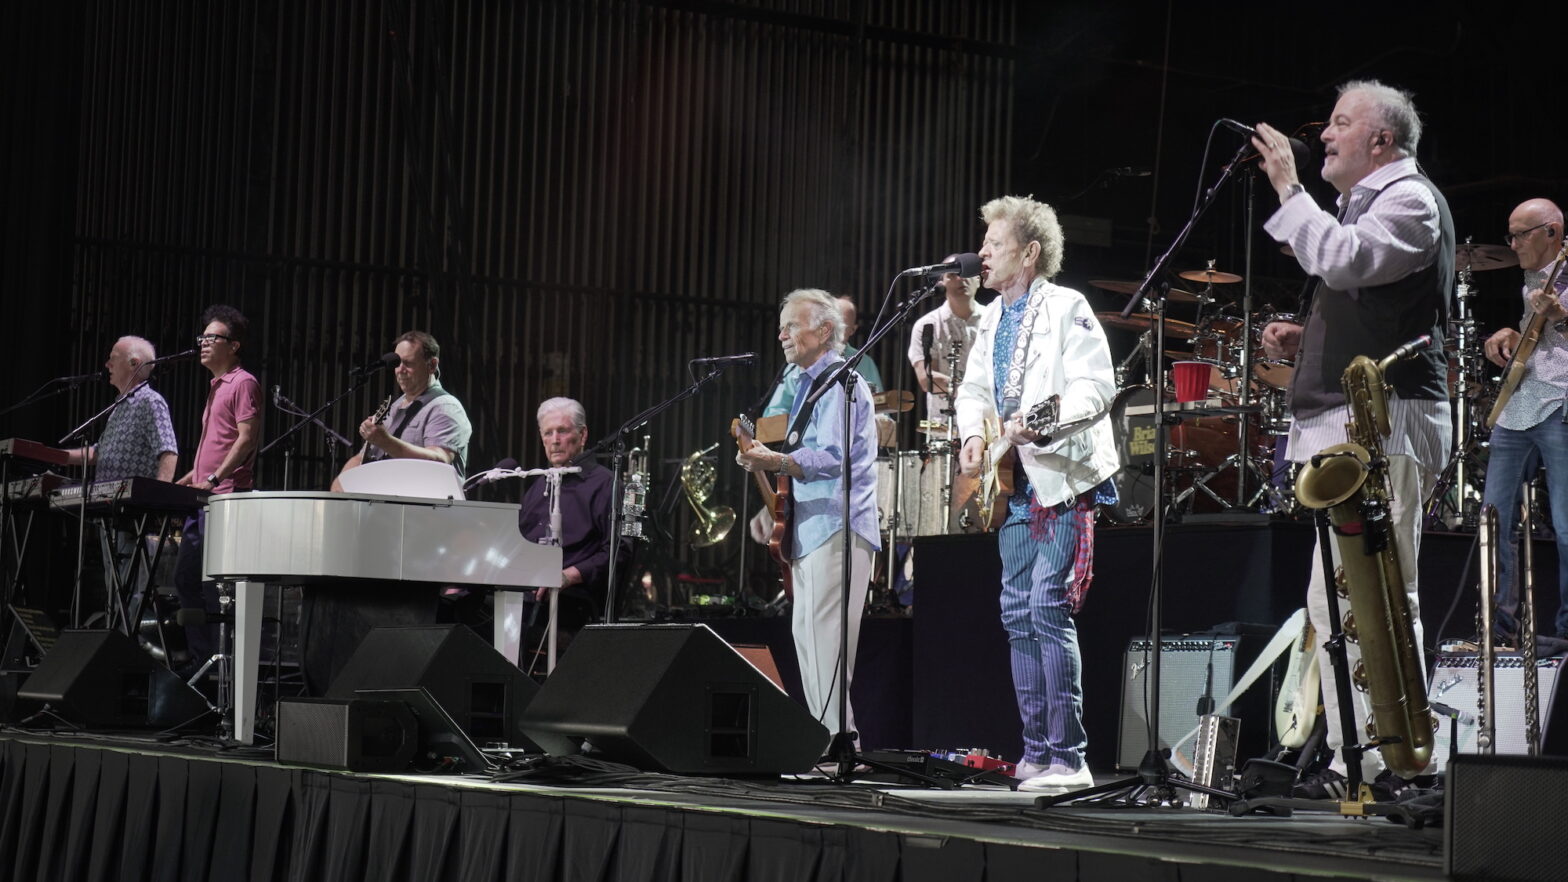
[[1455, 683], [102, 678], [1192, 669], [483, 692], [672, 698], [1502, 818], [357, 735]]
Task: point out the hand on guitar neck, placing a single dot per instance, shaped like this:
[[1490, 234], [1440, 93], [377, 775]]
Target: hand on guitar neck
[[1039, 422], [757, 459]]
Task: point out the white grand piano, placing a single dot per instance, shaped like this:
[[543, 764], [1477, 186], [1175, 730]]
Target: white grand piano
[[318, 538]]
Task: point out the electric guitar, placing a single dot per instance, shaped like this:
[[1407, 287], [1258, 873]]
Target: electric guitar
[[776, 496], [998, 456], [1296, 710], [1513, 375]]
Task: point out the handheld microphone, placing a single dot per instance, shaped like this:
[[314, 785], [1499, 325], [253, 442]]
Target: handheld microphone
[[1298, 147], [743, 358], [385, 360], [967, 265]]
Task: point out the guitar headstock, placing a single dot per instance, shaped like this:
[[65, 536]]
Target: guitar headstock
[[745, 429], [1043, 417], [383, 410]]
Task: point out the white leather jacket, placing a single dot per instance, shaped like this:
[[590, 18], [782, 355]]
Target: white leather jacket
[[1068, 356]]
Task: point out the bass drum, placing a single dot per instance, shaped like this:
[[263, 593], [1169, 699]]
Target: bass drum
[[1132, 425]]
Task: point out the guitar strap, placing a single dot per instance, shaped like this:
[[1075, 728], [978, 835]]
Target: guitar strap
[[1013, 385], [797, 428]]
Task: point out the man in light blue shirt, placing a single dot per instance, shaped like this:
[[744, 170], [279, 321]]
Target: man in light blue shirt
[[811, 333]]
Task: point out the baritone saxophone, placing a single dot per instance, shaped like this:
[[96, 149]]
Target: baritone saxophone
[[1351, 481]]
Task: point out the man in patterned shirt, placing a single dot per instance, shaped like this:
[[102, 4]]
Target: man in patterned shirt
[[1038, 341], [139, 439], [1532, 430], [1386, 269]]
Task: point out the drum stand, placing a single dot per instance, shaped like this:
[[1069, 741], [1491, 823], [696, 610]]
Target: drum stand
[[1463, 476]]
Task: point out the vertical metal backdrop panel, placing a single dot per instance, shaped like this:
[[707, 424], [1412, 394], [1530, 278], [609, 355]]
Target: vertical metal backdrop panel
[[574, 196]]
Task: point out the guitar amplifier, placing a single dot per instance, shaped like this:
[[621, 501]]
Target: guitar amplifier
[[1455, 682], [1196, 672]]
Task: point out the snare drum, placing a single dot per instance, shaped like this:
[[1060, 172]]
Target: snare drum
[[1274, 373]]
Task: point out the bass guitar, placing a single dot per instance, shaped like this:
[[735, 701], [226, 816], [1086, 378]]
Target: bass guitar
[[1513, 375], [776, 495]]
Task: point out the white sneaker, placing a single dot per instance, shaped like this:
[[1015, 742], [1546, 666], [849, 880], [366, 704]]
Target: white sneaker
[[1025, 770], [1059, 777]]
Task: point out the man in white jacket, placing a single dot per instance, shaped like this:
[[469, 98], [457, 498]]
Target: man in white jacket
[[1039, 342]]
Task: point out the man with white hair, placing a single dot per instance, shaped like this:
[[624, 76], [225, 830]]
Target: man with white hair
[[817, 453], [138, 439], [585, 514], [1386, 268], [1532, 430], [1036, 342]]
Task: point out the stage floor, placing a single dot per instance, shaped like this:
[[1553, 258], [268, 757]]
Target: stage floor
[[217, 813]]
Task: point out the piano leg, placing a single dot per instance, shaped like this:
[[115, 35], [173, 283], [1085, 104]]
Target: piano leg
[[509, 608], [248, 597]]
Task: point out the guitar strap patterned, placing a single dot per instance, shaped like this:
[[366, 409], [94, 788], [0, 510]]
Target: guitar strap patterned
[[1013, 385]]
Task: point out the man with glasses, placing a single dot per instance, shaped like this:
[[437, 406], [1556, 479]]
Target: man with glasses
[[1386, 269], [1532, 430], [225, 454]]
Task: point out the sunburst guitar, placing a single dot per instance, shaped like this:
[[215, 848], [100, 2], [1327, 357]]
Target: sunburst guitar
[[776, 494]]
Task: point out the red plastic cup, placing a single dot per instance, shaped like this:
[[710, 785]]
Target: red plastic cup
[[1192, 380]]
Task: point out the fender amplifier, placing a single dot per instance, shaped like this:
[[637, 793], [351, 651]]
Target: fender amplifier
[[1455, 683], [1196, 672]]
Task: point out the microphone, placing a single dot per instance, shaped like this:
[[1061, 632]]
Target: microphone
[[81, 378], [1298, 147], [488, 477], [175, 357], [723, 360], [927, 339], [1239, 127], [1409, 349], [277, 396], [1465, 718], [385, 360], [967, 265]]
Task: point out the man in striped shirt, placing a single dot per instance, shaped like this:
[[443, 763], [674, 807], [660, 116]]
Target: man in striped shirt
[[1385, 266]]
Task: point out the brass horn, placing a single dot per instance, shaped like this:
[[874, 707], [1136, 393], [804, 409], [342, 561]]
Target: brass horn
[[697, 480]]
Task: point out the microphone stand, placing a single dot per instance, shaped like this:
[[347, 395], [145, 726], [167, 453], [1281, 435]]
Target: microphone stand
[[360, 381], [282, 402], [1154, 772], [60, 385], [615, 442], [841, 750]]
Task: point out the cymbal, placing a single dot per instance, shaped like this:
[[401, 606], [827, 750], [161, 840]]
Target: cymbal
[[1177, 295], [1142, 321], [1210, 277], [1484, 257], [893, 401]]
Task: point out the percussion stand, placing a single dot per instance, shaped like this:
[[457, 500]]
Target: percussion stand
[[1463, 474], [1154, 779]]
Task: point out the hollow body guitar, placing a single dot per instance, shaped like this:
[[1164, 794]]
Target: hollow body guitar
[[776, 495], [996, 464]]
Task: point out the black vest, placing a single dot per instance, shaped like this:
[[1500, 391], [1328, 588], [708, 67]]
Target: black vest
[[1374, 321]]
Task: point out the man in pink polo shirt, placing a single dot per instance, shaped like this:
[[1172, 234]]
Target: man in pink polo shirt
[[230, 428]]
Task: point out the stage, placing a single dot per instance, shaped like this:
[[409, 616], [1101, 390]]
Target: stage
[[106, 808]]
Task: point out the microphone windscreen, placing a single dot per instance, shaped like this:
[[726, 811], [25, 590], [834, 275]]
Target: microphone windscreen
[[390, 359], [968, 265], [508, 463]]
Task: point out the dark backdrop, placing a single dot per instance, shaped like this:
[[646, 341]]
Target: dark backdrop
[[576, 196]]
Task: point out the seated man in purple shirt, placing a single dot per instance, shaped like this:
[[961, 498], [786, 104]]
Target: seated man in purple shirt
[[230, 428], [585, 515]]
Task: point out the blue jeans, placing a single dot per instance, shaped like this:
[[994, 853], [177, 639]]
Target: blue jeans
[[1047, 670], [1514, 458]]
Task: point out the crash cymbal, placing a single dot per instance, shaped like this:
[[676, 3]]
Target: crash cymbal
[[1484, 257], [1210, 277], [1130, 288], [893, 401], [1142, 321]]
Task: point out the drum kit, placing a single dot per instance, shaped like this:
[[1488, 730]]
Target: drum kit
[[1234, 460]]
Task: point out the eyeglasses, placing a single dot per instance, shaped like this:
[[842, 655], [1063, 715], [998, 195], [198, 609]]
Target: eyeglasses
[[1522, 233], [211, 338]]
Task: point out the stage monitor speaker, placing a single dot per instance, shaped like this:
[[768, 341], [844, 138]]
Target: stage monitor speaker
[[1196, 672], [482, 691], [1501, 817], [1455, 683], [357, 735], [672, 698], [102, 678]]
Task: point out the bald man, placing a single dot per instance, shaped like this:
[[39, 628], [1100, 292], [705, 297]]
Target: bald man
[[1531, 431]]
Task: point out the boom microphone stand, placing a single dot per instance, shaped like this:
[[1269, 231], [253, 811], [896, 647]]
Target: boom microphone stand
[[1154, 777]]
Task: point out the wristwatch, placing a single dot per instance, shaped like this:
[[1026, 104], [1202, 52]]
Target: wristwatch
[[1292, 190], [213, 479]]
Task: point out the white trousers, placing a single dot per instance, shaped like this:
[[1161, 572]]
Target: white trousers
[[816, 621], [1409, 483]]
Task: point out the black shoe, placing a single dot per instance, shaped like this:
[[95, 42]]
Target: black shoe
[[1388, 787], [1327, 784]]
